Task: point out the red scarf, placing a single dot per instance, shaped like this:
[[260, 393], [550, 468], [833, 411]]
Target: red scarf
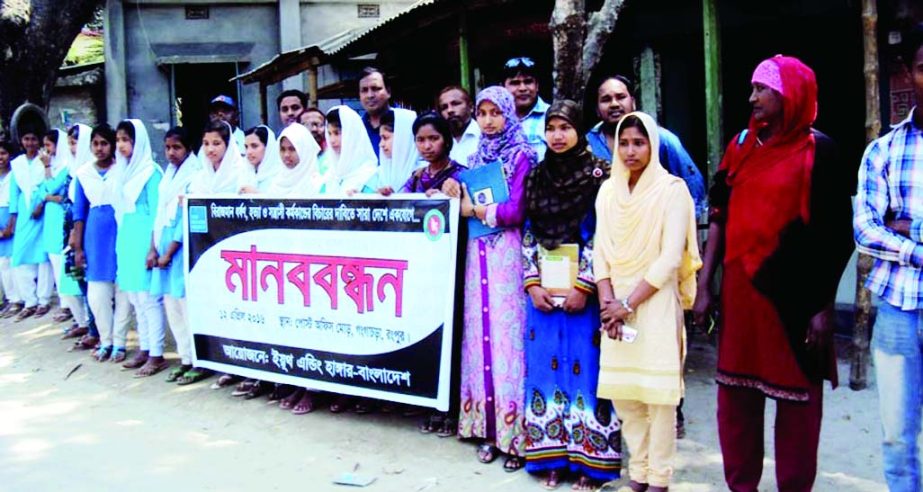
[[771, 181]]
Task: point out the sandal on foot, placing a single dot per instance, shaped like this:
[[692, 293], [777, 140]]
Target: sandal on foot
[[118, 355], [194, 375], [291, 400], [12, 310], [42, 310], [552, 481], [225, 380], [585, 483], [244, 387], [75, 332], [340, 404], [62, 316], [25, 313], [140, 358], [513, 464], [103, 354], [365, 406], [487, 453], [430, 424], [449, 428], [152, 367], [257, 390], [85, 342], [281, 391], [633, 486], [177, 373], [305, 405]]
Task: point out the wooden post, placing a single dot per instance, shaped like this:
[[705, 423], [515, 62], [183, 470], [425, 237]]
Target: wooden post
[[858, 374], [647, 70], [713, 104], [312, 85], [464, 60], [264, 105]]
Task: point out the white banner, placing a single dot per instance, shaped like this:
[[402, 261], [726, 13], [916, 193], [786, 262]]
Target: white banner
[[353, 295]]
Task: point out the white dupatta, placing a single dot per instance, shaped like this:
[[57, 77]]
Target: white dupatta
[[404, 159], [210, 181], [175, 183], [304, 180], [136, 171], [262, 177], [356, 163], [83, 155]]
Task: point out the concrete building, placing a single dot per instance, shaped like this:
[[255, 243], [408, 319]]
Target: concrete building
[[167, 58]]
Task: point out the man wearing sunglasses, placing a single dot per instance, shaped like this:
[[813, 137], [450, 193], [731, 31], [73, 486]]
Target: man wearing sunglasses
[[519, 78]]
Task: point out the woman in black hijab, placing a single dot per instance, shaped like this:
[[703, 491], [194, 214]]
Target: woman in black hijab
[[568, 431]]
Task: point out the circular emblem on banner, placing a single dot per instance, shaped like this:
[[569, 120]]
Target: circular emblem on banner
[[434, 224]]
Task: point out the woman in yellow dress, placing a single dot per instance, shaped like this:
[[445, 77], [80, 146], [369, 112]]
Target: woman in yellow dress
[[645, 261]]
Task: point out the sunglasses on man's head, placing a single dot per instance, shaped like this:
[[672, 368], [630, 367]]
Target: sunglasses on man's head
[[520, 61]]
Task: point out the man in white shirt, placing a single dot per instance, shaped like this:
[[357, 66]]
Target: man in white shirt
[[454, 104]]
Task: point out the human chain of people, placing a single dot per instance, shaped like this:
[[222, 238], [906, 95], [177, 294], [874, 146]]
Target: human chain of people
[[579, 260]]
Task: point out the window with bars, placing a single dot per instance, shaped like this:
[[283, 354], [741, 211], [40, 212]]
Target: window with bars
[[369, 10]]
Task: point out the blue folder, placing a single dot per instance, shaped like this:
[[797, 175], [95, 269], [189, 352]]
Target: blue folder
[[486, 185]]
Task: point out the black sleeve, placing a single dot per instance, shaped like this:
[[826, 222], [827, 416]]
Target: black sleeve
[[830, 228]]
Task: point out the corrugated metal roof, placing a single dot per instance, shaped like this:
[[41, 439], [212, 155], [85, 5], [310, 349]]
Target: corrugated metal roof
[[291, 61], [332, 46]]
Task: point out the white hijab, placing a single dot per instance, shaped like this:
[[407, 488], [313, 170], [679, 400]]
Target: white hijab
[[101, 189], [395, 170], [62, 157], [136, 171], [28, 174], [84, 150], [175, 183], [356, 163], [262, 177], [84, 155], [225, 179], [304, 180], [5, 188]]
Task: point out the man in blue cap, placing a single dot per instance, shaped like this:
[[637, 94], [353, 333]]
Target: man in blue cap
[[223, 108]]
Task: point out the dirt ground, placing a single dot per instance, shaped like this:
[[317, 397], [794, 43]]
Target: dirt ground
[[101, 429]]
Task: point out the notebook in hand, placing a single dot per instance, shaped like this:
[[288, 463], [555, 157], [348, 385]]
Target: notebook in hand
[[486, 185]]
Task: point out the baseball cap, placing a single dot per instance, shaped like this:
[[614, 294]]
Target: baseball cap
[[222, 99]]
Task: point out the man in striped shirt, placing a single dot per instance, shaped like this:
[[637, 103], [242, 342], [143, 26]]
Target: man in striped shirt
[[889, 226]]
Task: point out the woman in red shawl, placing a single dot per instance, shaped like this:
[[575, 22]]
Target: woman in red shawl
[[782, 218]]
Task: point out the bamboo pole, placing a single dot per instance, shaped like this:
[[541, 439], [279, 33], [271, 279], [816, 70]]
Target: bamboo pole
[[464, 60], [713, 103], [858, 374]]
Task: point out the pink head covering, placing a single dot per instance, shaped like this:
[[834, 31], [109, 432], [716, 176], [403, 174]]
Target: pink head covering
[[768, 74]]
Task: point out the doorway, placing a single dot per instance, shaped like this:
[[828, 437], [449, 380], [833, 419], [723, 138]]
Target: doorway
[[194, 86]]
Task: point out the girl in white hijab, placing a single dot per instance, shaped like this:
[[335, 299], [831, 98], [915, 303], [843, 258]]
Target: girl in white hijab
[[54, 189], [262, 151], [350, 160], [399, 156], [136, 207], [221, 162], [166, 253], [78, 139], [299, 176]]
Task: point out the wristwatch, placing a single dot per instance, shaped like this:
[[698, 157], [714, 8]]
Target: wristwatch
[[627, 306]]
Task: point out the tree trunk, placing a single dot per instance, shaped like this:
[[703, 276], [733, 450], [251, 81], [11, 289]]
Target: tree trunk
[[568, 34], [34, 38], [578, 44], [858, 375]]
